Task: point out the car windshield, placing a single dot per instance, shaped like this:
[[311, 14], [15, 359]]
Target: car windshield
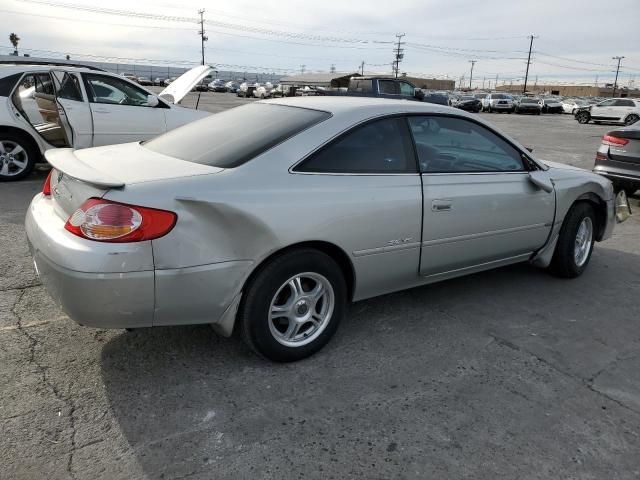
[[498, 96], [221, 140], [466, 98], [550, 100], [529, 100]]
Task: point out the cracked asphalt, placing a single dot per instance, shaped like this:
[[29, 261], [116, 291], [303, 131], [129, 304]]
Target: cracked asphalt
[[507, 374]]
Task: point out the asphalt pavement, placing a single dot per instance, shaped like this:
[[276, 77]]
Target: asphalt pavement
[[507, 374]]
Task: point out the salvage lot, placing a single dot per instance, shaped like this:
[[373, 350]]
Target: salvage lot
[[506, 374]]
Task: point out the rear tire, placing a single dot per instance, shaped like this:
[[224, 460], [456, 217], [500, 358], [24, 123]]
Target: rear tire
[[282, 318], [631, 119], [18, 156], [575, 242]]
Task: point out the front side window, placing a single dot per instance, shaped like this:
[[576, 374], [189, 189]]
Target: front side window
[[407, 89], [106, 89], [381, 146], [606, 103], [456, 145]]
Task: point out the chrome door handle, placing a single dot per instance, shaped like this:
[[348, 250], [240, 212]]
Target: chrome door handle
[[101, 111], [440, 205]]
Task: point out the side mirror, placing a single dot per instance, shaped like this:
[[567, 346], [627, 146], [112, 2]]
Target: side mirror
[[419, 94], [153, 101], [541, 180], [529, 149]]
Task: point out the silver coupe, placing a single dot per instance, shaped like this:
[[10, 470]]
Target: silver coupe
[[329, 200]]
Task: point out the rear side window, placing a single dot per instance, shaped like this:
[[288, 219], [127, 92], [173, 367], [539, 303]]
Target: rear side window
[[388, 87], [625, 103], [7, 84], [233, 137], [363, 86], [382, 146]]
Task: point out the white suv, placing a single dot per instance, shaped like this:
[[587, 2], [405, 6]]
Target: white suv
[[615, 110], [498, 102], [48, 106]]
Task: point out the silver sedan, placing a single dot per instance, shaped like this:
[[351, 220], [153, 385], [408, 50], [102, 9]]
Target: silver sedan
[[327, 201]]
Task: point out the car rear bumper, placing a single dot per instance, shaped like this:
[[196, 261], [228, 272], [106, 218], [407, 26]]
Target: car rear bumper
[[502, 107], [115, 285], [614, 170]]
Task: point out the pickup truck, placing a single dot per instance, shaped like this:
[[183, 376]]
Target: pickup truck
[[386, 87]]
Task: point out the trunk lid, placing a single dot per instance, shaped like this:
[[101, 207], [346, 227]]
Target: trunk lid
[[182, 85], [82, 174]]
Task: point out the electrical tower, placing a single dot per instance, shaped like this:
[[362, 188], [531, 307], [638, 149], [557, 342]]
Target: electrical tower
[[526, 75], [615, 83], [203, 37], [399, 52]]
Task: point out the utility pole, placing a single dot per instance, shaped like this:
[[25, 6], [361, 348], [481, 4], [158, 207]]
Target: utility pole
[[495, 85], [484, 79], [203, 37], [333, 68], [615, 83], [302, 69], [399, 51], [526, 75], [596, 83], [473, 64], [362, 68]]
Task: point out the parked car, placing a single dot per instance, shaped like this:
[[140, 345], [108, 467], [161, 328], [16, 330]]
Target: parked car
[[570, 105], [158, 81], [618, 158], [169, 81], [529, 105], [624, 111], [229, 246], [246, 90], [130, 76], [263, 91], [498, 102], [47, 106], [232, 87], [551, 105], [381, 87], [144, 81], [468, 103], [217, 86]]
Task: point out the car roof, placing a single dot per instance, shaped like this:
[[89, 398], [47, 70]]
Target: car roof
[[10, 69], [337, 105]]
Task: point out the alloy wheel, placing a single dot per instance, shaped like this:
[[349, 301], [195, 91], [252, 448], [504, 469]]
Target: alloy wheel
[[13, 158], [584, 239], [301, 309], [631, 119]]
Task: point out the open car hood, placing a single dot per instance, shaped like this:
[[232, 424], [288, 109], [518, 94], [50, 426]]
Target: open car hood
[[182, 85]]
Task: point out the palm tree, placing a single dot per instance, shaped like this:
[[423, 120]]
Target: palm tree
[[14, 39]]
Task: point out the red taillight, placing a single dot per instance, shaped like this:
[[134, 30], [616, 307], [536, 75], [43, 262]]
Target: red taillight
[[46, 188], [600, 157], [614, 141], [106, 221]]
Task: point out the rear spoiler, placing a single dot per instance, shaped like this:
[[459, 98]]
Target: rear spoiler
[[64, 160]]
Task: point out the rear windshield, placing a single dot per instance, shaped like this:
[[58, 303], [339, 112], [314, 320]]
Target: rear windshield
[[235, 136], [498, 95]]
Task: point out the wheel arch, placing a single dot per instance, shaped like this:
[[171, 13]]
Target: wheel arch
[[600, 209], [328, 248], [28, 136], [632, 114]]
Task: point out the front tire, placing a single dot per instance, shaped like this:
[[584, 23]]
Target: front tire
[[575, 243], [17, 156], [293, 305], [583, 117]]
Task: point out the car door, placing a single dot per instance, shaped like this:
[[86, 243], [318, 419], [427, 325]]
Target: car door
[[120, 110], [73, 107], [603, 110], [480, 207], [370, 172]]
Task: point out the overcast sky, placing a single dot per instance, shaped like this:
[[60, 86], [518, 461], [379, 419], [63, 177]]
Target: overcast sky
[[441, 35]]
